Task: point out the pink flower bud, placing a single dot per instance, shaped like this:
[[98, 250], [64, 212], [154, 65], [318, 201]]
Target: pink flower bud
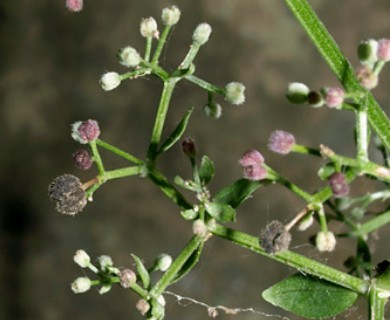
[[255, 172], [74, 5], [383, 50], [367, 78], [281, 142], [127, 278], [339, 185], [189, 148], [82, 159], [86, 131], [334, 97], [251, 157]]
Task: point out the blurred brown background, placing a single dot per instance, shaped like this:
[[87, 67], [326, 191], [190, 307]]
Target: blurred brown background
[[50, 63]]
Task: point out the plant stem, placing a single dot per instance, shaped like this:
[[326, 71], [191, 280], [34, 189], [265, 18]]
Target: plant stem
[[170, 275], [169, 86], [362, 133], [377, 304], [119, 152], [301, 263], [161, 43], [373, 224], [205, 85], [339, 64], [122, 172], [97, 158], [148, 48]]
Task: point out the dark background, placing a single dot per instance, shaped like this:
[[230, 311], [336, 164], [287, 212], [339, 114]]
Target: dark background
[[50, 63]]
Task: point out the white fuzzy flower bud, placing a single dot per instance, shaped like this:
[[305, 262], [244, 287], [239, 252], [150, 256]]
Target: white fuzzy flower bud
[[164, 261], [213, 110], [104, 262], [297, 92], [129, 57], [201, 34], [82, 258], [199, 228], [235, 93], [80, 285], [171, 15], [110, 81], [325, 241], [142, 306], [148, 28], [306, 222]]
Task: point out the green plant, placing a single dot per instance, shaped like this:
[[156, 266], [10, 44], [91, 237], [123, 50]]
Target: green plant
[[318, 291]]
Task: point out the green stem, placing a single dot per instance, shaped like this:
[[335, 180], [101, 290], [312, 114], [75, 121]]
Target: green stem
[[292, 259], [339, 64], [373, 224], [96, 157], [161, 43], [362, 133], [168, 189], [377, 303], [122, 172], [189, 57], [305, 150], [170, 275], [148, 48], [205, 85], [169, 86], [119, 152]]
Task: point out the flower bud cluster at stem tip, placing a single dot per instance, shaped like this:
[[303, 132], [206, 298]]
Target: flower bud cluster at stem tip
[[86, 131], [252, 162], [281, 142]]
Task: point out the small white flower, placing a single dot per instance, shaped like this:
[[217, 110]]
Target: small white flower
[[80, 285], [164, 261], [82, 258], [325, 241], [129, 57], [148, 27], [201, 34], [110, 81], [105, 262], [235, 93], [171, 15], [199, 228], [213, 110]]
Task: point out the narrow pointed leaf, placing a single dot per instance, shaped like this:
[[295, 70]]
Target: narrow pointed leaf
[[310, 297], [177, 133], [142, 271], [206, 170], [190, 263], [238, 192]]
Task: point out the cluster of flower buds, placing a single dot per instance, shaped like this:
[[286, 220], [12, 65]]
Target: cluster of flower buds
[[85, 131], [299, 93], [373, 54], [252, 162]]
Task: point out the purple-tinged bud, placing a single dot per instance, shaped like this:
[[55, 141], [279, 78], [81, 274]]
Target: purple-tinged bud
[[281, 142], [367, 52], [68, 193], [127, 278], [234, 93], [383, 51], [110, 80], [255, 173], [171, 15], [297, 92], [86, 131], [339, 185], [325, 241], [74, 5], [189, 148], [148, 28], [142, 306], [334, 97], [81, 285], [275, 238], [251, 158], [367, 78], [315, 99], [82, 159]]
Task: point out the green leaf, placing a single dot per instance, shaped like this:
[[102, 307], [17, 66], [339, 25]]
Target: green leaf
[[238, 192], [310, 297], [177, 133], [206, 170], [221, 212], [189, 214], [142, 271], [189, 264]]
